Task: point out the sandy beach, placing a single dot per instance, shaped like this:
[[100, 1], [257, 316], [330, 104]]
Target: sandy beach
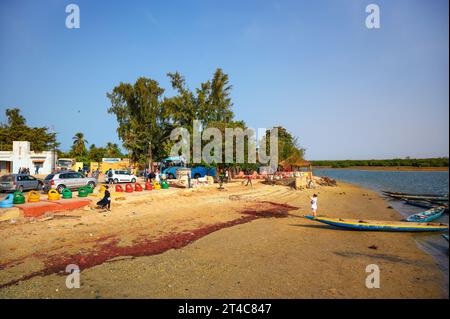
[[242, 242]]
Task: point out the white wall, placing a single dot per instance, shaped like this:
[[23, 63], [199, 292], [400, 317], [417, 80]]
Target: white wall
[[22, 156]]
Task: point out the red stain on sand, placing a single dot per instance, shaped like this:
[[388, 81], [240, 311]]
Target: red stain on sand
[[146, 247]]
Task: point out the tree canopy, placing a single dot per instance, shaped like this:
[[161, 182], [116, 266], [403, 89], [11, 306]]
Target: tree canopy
[[16, 129]]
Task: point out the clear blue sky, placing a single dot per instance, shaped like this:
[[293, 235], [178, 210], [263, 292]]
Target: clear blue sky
[[312, 66]]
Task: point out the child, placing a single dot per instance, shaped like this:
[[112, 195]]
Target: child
[[106, 200], [314, 205]]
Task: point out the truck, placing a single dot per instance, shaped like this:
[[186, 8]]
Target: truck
[[170, 166]]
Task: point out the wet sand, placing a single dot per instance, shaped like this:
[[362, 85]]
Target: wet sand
[[204, 243]]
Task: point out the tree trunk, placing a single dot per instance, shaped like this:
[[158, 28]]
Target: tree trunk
[[150, 155]]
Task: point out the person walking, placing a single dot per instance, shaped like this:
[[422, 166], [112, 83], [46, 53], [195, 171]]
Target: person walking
[[249, 180], [314, 205]]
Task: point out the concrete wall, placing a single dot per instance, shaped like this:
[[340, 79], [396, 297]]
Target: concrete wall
[[22, 156]]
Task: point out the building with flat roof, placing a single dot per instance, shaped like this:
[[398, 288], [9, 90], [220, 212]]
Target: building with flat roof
[[23, 157]]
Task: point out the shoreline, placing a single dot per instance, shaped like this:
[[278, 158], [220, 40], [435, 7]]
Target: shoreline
[[318, 261], [387, 168]]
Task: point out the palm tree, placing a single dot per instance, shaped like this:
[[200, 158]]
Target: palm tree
[[112, 149], [79, 144]]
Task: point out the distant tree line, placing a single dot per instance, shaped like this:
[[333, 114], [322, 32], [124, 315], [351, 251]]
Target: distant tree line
[[413, 162], [81, 153]]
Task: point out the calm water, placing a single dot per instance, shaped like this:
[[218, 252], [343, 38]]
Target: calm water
[[408, 182]]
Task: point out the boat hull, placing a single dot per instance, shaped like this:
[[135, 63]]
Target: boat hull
[[416, 197], [427, 216], [371, 225]]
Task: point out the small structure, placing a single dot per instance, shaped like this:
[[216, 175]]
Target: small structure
[[301, 170], [23, 157]]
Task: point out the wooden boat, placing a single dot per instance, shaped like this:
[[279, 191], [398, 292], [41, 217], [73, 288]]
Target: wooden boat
[[427, 216], [445, 236], [419, 203], [377, 225], [414, 194], [419, 197]]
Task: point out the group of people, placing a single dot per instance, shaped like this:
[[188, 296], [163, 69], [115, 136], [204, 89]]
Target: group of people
[[151, 175], [24, 170]]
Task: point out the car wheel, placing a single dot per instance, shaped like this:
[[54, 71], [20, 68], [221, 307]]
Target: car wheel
[[20, 189], [40, 186], [91, 184], [171, 176], [197, 176], [133, 180], [115, 181], [60, 188]]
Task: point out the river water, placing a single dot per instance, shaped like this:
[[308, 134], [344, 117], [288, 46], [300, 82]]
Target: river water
[[408, 182]]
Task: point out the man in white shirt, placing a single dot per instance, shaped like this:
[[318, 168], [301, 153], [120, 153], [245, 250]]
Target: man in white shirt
[[314, 205]]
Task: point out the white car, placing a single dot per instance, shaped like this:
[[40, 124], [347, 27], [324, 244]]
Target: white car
[[119, 176]]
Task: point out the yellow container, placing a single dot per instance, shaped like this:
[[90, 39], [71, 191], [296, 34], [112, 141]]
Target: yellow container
[[53, 194], [34, 197], [156, 185]]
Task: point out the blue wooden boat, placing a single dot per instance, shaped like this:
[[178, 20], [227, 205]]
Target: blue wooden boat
[[427, 216], [376, 225]]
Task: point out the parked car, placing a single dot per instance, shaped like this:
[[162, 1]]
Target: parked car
[[119, 176], [19, 182], [171, 165], [67, 179]]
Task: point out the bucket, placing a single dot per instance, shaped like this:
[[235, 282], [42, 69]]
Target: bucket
[[128, 188], [18, 198], [7, 202], [83, 192], [34, 197], [53, 194], [66, 193]]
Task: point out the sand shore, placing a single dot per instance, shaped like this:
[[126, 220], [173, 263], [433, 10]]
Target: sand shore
[[239, 243]]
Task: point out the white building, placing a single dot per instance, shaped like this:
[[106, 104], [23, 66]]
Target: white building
[[23, 157]]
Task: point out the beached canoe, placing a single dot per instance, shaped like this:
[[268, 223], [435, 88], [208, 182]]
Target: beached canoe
[[419, 197], [414, 194], [419, 203], [376, 225], [427, 216]]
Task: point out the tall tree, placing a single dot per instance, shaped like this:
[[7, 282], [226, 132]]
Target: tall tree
[[79, 145], [143, 124]]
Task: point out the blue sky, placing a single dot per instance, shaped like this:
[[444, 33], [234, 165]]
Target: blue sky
[[346, 91]]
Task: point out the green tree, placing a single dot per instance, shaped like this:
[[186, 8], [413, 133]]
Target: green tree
[[16, 129], [143, 124], [96, 153], [79, 145], [112, 150]]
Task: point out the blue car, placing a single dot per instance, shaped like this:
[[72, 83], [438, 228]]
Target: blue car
[[171, 165]]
